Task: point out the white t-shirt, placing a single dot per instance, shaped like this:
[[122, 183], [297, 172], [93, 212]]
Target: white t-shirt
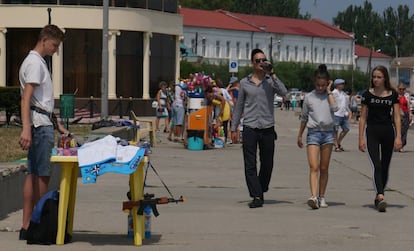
[[180, 96], [34, 70], [342, 100], [226, 95]]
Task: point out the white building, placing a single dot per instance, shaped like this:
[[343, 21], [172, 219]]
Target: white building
[[219, 36]]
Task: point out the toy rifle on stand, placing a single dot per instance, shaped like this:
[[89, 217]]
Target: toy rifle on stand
[[149, 198], [151, 201]]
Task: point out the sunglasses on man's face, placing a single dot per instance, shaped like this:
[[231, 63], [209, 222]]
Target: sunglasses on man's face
[[260, 60], [401, 89]]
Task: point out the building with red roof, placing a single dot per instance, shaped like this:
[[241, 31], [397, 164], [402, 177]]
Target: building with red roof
[[219, 36], [366, 58]]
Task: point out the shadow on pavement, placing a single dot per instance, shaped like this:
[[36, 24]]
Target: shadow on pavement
[[388, 206], [268, 202], [102, 239]]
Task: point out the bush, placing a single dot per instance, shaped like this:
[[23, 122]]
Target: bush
[[10, 101], [293, 75]]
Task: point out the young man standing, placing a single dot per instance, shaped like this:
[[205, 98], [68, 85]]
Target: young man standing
[[37, 134], [255, 102], [343, 115]]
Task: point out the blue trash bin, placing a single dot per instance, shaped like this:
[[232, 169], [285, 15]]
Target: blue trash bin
[[195, 140]]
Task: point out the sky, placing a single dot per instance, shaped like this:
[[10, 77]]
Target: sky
[[328, 9]]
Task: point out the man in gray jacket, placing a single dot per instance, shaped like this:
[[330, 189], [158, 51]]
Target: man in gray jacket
[[255, 104]]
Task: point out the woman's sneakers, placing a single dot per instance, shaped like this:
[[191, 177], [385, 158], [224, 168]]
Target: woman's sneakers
[[380, 205], [322, 202], [315, 202]]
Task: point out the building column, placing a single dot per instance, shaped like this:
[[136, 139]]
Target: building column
[[3, 66], [146, 65], [112, 63], [177, 59], [57, 72]]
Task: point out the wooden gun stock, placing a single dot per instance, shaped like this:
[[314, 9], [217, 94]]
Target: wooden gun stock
[[128, 205]]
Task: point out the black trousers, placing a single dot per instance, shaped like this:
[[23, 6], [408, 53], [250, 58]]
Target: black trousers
[[405, 124], [380, 145], [226, 129], [265, 139]]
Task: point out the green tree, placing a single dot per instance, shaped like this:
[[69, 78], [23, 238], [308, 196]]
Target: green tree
[[363, 22], [369, 28], [401, 27], [280, 8]]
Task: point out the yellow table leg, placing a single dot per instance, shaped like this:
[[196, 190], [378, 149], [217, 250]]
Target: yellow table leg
[[136, 183], [72, 197], [65, 187]]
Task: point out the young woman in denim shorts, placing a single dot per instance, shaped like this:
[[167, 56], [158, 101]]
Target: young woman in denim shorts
[[318, 117]]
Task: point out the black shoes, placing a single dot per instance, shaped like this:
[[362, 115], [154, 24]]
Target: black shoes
[[380, 205], [22, 234], [256, 202]]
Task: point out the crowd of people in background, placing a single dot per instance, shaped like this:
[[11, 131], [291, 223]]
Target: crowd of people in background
[[405, 112], [171, 103]]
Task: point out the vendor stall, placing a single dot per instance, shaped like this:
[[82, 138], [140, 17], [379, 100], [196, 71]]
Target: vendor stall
[[67, 198], [95, 158], [199, 114], [208, 113], [199, 122], [92, 160]]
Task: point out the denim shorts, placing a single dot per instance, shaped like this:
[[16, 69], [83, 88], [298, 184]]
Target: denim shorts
[[178, 117], [341, 122], [319, 138], [38, 158]]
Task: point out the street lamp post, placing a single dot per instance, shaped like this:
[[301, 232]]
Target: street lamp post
[[396, 56], [271, 49], [353, 62], [196, 41], [365, 37], [278, 41]]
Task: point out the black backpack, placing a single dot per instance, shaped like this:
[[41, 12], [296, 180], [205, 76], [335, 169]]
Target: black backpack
[[44, 222]]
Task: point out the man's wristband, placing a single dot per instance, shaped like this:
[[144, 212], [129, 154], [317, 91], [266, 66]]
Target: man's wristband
[[329, 93]]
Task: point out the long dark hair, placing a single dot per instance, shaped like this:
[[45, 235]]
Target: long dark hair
[[384, 71], [321, 72]]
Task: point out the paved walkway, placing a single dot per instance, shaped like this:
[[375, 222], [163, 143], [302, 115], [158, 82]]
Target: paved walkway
[[216, 216]]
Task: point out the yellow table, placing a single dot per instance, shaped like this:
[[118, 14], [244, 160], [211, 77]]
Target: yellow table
[[67, 197]]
